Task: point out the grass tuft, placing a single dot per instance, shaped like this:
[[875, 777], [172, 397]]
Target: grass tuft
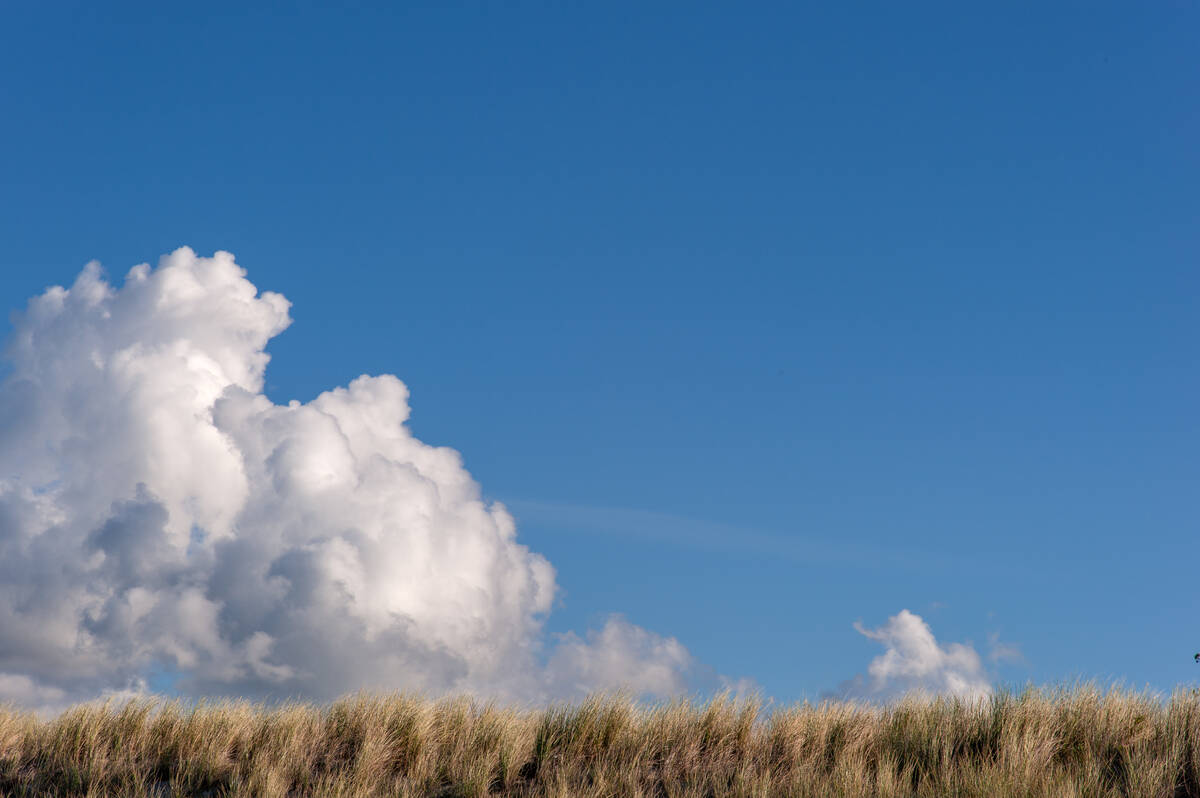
[[1076, 742]]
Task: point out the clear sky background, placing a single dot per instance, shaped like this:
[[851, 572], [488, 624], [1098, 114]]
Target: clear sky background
[[762, 318]]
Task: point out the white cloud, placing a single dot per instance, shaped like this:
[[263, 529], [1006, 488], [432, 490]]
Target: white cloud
[[157, 511], [914, 662], [620, 656], [18, 689]]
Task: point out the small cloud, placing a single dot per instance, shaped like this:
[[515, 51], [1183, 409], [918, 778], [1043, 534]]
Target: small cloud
[[914, 662], [621, 656]]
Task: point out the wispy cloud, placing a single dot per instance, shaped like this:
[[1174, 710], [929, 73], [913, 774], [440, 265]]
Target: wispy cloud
[[648, 525], [1000, 651]]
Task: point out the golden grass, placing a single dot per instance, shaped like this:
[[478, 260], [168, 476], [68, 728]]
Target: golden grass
[[1078, 742]]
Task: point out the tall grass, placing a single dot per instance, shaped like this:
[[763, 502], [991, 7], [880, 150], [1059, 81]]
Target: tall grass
[[1078, 742]]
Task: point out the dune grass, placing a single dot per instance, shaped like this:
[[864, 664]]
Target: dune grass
[[1077, 742]]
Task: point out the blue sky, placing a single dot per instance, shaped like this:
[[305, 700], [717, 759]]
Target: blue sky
[[762, 319]]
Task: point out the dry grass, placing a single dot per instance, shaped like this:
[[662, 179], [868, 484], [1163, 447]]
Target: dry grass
[[1079, 742]]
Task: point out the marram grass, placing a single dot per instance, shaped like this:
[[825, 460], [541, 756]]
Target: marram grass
[[1077, 742]]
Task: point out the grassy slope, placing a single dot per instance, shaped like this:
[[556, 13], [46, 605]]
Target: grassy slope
[[1077, 742]]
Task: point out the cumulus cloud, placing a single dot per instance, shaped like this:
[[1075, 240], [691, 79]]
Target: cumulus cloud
[[159, 512], [914, 662], [604, 658]]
